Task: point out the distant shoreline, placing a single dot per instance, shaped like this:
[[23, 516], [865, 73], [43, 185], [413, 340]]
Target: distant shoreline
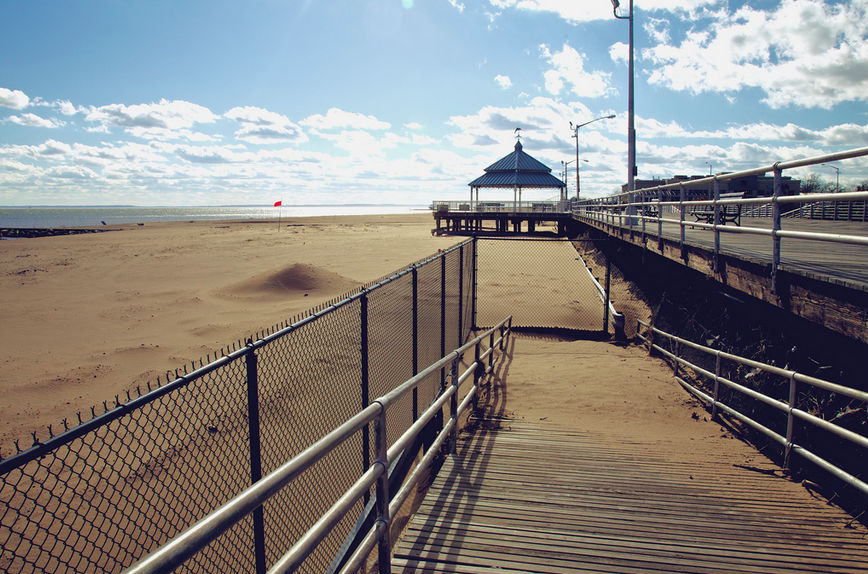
[[47, 217]]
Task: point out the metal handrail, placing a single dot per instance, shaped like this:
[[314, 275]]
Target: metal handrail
[[626, 209], [617, 317], [777, 166], [788, 407], [209, 528]]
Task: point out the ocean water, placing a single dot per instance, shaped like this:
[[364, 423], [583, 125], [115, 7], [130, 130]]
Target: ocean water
[[43, 217]]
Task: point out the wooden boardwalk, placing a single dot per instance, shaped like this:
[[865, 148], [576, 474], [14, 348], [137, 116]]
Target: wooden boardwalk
[[521, 497]]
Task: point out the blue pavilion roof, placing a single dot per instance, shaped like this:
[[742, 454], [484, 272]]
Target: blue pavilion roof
[[517, 169]]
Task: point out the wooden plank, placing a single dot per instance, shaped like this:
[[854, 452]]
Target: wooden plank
[[533, 498]]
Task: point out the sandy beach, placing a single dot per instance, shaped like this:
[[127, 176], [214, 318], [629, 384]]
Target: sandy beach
[[88, 317]]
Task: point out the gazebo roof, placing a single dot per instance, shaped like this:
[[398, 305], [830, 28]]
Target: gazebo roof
[[517, 169]]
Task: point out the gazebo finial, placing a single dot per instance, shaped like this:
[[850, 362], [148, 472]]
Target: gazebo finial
[[517, 134]]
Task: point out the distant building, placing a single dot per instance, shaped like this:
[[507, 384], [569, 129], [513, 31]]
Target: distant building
[[750, 186]]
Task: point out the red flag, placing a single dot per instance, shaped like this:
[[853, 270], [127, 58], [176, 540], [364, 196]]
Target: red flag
[[278, 203]]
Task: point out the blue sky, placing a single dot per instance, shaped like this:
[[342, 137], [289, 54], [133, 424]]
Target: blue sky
[[391, 101]]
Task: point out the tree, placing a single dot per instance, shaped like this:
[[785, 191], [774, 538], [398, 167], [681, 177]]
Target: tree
[[816, 184]]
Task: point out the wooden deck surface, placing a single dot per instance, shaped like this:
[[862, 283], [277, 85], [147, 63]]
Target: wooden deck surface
[[530, 497]]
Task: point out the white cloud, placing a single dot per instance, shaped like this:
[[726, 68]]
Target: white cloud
[[544, 123], [657, 29], [336, 119], [15, 99], [571, 11], [803, 53], [457, 5], [503, 81], [212, 154], [32, 120], [849, 135], [413, 126], [161, 120], [577, 12], [66, 108], [567, 71], [619, 52], [260, 126]]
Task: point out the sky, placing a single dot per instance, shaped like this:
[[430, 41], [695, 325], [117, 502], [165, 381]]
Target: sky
[[121, 102]]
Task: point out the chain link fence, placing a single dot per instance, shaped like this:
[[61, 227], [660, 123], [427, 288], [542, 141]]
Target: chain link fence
[[542, 283], [110, 490]]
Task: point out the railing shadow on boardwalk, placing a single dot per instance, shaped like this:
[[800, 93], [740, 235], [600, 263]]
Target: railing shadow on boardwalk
[[475, 463]]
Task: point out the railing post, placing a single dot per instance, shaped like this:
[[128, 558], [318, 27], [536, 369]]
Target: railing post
[[677, 354], [478, 372], [453, 406], [681, 207], [384, 546], [776, 227], [366, 437], [255, 453], [792, 404], [606, 302], [716, 261], [716, 384], [660, 222], [643, 213], [415, 275], [491, 354]]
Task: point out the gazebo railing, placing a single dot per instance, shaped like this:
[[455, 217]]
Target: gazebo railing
[[505, 206]]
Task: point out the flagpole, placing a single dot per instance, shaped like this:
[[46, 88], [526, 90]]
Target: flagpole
[[278, 205]]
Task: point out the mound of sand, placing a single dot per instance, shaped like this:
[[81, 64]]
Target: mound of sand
[[294, 280]]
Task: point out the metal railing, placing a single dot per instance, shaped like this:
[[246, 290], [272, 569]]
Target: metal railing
[[635, 210], [608, 307], [202, 533], [537, 207], [789, 407]]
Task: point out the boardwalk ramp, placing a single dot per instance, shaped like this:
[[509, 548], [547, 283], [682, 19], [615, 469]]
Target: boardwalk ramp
[[525, 496]]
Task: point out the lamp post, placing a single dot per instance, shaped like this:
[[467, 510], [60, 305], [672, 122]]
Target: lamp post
[[576, 135], [837, 173], [708, 163], [564, 165], [631, 132]]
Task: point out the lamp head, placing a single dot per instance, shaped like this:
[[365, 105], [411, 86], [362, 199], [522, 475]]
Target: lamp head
[[615, 4]]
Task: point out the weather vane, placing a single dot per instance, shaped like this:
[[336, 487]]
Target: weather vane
[[517, 133]]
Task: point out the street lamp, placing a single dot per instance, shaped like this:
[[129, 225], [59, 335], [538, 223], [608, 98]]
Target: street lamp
[[564, 165], [837, 173], [631, 132], [708, 163], [576, 135]]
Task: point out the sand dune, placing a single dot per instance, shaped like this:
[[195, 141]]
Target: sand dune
[[297, 279]]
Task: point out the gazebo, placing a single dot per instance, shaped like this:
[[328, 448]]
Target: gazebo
[[516, 171]]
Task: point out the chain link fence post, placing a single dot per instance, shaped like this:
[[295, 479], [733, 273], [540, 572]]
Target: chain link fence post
[[439, 417], [365, 367], [415, 339], [460, 293], [251, 362], [475, 277]]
